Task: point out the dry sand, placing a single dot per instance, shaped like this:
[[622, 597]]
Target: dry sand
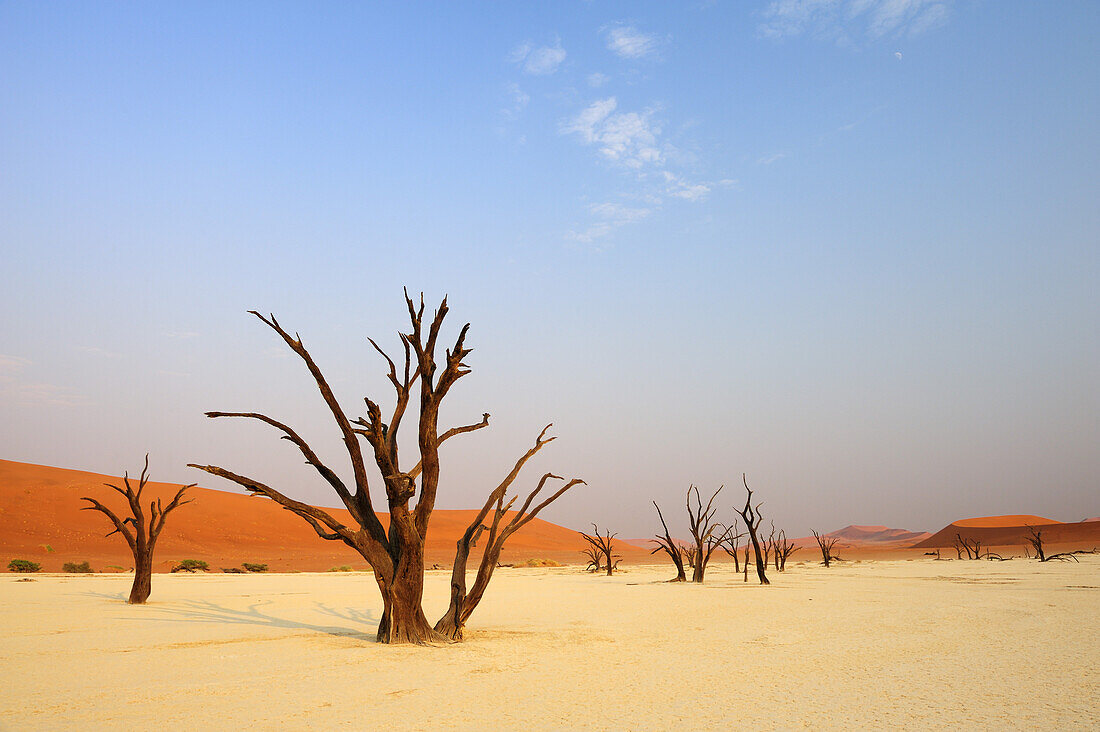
[[881, 644]]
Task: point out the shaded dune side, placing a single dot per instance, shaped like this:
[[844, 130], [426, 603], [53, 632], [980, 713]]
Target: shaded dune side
[[41, 520]]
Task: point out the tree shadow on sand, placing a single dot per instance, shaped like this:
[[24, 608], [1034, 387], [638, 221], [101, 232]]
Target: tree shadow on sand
[[205, 611]]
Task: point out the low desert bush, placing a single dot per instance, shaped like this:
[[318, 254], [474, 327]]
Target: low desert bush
[[232, 570], [76, 568], [250, 567], [191, 565], [539, 563], [23, 565], [342, 568]]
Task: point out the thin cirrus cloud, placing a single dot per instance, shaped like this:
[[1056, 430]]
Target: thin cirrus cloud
[[608, 217], [627, 138], [14, 386], [847, 21], [628, 42], [538, 60]]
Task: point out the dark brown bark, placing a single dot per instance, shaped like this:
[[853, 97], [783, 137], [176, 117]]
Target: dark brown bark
[[706, 534], [1036, 540], [731, 546], [751, 516], [826, 543], [783, 550], [140, 531], [668, 545], [396, 554], [605, 550], [463, 601]]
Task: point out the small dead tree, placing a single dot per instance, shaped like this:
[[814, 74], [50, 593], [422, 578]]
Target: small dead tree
[[973, 547], [732, 544], [751, 516], [783, 549], [605, 556], [826, 543], [396, 552], [706, 535], [1035, 539], [668, 545], [140, 532]]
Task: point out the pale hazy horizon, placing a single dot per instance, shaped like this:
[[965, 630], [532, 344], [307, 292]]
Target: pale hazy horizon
[[849, 249]]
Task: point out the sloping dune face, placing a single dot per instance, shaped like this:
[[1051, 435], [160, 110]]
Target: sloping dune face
[[41, 520], [1013, 530]]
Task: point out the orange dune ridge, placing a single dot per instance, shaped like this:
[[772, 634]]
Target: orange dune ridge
[[41, 520], [1013, 530]]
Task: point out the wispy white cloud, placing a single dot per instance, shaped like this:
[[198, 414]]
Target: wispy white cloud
[[847, 21], [608, 217], [97, 351], [629, 42], [14, 386], [538, 60], [628, 138], [596, 79], [517, 101], [773, 158], [677, 187]]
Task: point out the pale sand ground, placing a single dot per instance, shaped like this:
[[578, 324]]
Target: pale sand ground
[[889, 644]]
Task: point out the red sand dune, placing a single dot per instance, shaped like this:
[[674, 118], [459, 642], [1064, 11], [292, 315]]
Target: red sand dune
[[1013, 530], [41, 520]]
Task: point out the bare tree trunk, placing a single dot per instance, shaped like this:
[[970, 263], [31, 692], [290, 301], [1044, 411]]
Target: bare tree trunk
[[396, 554], [139, 531], [751, 515]]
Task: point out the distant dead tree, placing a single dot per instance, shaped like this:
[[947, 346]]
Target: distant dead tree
[[973, 547], [1035, 539], [826, 543], [396, 553], [732, 544], [603, 552], [706, 534], [751, 516], [781, 549], [668, 545], [140, 532]]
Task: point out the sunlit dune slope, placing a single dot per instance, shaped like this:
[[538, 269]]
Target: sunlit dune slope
[[41, 520], [1013, 530]]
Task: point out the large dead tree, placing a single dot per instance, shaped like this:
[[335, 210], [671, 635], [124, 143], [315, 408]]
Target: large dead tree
[[396, 552], [141, 532], [751, 516], [706, 534], [826, 543], [668, 545], [973, 547], [602, 550]]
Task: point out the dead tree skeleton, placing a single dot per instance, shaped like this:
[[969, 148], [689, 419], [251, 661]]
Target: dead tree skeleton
[[141, 533], [668, 545], [732, 544], [782, 549], [826, 543], [751, 516], [1035, 539], [706, 534], [396, 552], [603, 555]]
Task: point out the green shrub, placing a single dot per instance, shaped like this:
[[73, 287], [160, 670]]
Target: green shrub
[[23, 565], [250, 567], [76, 568], [191, 565], [232, 570], [342, 568]]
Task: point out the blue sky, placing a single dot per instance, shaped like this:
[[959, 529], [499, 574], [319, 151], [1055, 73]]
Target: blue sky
[[850, 247]]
